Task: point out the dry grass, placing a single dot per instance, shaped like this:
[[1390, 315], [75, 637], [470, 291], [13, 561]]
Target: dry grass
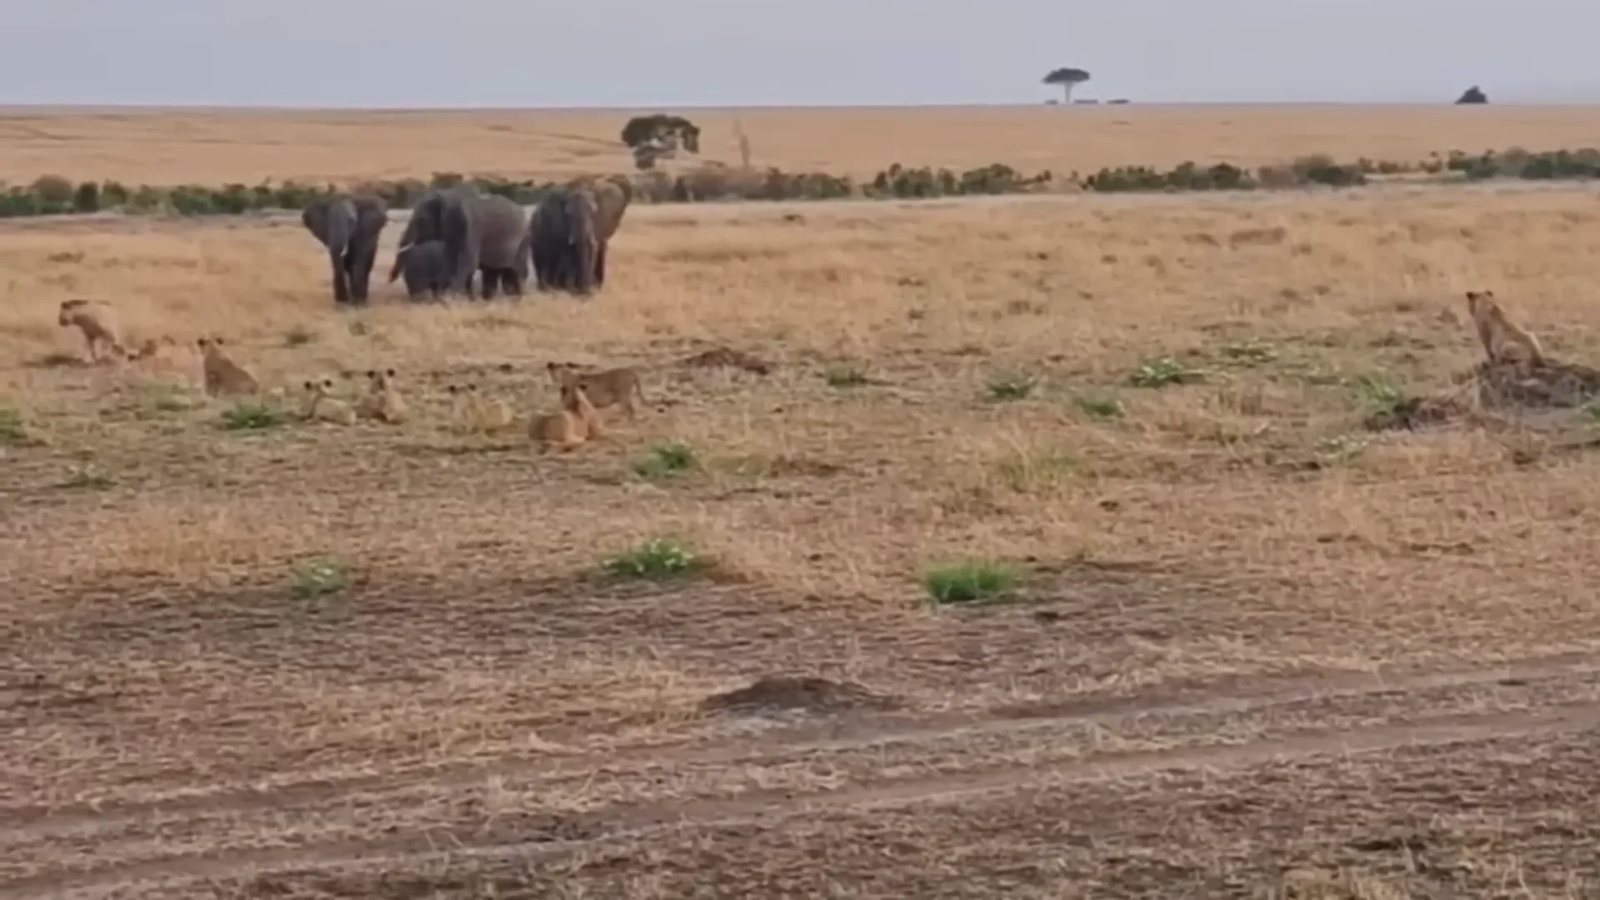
[[422, 619], [213, 147]]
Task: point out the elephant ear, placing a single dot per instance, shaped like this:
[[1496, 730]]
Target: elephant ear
[[624, 183], [315, 219]]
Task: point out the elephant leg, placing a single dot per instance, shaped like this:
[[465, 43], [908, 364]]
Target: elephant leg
[[360, 260], [513, 281], [538, 267], [464, 266], [600, 265], [341, 280], [546, 273]]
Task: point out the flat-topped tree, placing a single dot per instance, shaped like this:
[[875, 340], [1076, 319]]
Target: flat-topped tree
[[659, 136], [1068, 78]]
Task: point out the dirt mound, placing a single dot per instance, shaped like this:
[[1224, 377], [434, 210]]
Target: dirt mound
[[725, 357], [1520, 385], [1506, 386], [782, 692]]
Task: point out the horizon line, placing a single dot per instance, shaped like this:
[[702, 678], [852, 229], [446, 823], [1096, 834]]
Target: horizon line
[[763, 107]]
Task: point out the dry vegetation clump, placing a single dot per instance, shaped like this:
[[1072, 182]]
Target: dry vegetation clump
[[1106, 498]]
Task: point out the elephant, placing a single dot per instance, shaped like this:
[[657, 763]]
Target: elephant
[[612, 194], [426, 269], [348, 225], [481, 233], [563, 242]]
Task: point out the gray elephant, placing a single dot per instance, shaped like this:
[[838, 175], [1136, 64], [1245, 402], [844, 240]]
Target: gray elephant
[[481, 232], [563, 240], [555, 232], [426, 269], [348, 225], [612, 194]]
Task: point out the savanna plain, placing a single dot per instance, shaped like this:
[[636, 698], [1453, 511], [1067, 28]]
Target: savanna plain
[[1059, 549]]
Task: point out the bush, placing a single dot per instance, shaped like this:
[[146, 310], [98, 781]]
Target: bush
[[53, 194], [18, 202], [1319, 168], [113, 193], [52, 189], [86, 199]]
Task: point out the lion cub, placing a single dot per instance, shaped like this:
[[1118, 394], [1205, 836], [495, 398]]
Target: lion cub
[[572, 425], [1496, 330], [475, 413], [98, 322], [321, 405], [222, 374], [607, 388], [382, 400]]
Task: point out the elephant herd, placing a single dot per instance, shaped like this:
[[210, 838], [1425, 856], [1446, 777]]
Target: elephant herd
[[458, 232]]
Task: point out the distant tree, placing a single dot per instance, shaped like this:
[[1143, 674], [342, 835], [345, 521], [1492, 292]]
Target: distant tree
[[1068, 79], [1472, 95], [659, 136]]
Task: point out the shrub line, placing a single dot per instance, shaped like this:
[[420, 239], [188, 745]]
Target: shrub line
[[56, 195]]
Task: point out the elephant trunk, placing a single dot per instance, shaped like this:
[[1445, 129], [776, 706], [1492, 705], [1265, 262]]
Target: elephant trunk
[[399, 262], [584, 248]]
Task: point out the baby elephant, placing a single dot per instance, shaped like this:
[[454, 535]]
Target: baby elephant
[[425, 269]]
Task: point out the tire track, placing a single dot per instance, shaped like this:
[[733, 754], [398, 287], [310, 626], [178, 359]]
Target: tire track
[[794, 742], [641, 823]]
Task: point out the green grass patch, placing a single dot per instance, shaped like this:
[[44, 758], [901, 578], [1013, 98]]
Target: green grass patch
[[666, 460], [320, 576], [1249, 353], [846, 377], [658, 559], [1100, 406], [1011, 386], [1378, 393], [251, 415], [13, 430], [1162, 371], [971, 581]]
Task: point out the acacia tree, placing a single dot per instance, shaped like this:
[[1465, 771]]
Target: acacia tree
[[1068, 78], [659, 136]]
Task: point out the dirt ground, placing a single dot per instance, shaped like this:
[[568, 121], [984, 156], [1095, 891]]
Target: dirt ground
[[1257, 647]]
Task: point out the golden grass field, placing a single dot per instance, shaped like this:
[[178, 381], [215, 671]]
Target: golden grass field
[[1256, 649], [216, 147]]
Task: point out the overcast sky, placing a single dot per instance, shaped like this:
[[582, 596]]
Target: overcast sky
[[632, 53]]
